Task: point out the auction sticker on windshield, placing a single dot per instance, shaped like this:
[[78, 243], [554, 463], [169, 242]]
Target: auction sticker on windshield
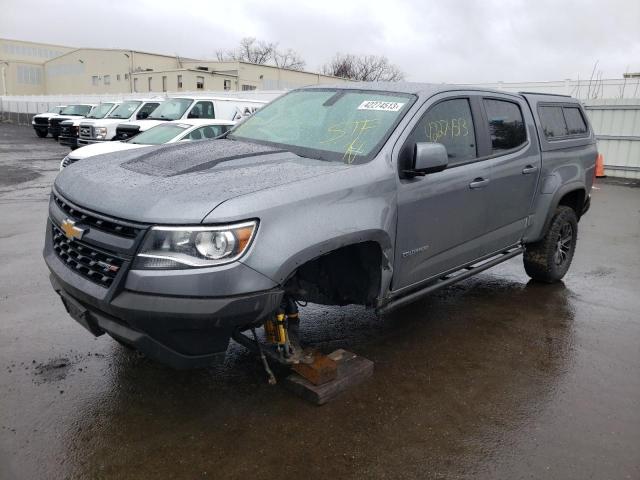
[[380, 106]]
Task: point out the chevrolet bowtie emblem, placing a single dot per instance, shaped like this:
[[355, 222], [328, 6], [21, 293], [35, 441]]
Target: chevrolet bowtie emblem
[[70, 230]]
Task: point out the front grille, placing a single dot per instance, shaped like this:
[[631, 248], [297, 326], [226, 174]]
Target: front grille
[[54, 125], [68, 161], [95, 221], [99, 266], [67, 130], [126, 131], [41, 121], [85, 132]]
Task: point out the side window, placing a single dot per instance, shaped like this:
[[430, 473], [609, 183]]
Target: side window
[[451, 124], [204, 133], [552, 121], [146, 110], [506, 125], [575, 121], [202, 110]]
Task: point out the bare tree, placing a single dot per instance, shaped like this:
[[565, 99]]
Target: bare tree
[[250, 50], [259, 52], [288, 59], [366, 68]]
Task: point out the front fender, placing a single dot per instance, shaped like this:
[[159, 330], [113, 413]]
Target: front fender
[[304, 220]]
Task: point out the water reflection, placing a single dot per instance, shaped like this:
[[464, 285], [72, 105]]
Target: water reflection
[[456, 374]]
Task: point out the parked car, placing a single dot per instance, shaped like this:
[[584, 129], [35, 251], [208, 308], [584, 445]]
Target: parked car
[[167, 132], [40, 122], [68, 113], [69, 128], [372, 194], [190, 107], [104, 129]]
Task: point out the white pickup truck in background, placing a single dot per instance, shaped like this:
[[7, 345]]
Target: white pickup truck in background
[[104, 129], [191, 107]]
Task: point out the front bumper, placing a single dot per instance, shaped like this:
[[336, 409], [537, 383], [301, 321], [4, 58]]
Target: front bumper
[[183, 318], [89, 141], [182, 333], [68, 141]]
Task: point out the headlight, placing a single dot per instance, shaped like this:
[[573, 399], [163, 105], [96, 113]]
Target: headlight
[[192, 247], [101, 132], [64, 162]]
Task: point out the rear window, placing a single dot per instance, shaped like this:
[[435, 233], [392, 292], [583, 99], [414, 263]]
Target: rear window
[[506, 125], [575, 121], [552, 122]]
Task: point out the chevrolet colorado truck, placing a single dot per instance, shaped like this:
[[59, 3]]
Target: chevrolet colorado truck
[[69, 129], [372, 194], [104, 129], [40, 121], [222, 108]]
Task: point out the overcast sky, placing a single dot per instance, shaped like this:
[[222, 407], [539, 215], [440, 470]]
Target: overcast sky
[[433, 41]]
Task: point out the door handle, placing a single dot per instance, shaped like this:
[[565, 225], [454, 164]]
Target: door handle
[[479, 183], [529, 169]]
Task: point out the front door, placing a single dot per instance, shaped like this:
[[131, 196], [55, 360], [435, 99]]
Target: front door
[[442, 216]]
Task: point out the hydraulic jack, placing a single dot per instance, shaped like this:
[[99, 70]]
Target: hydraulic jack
[[282, 335]]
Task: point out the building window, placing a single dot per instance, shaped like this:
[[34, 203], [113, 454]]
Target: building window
[[227, 84], [107, 79], [135, 84], [248, 87], [164, 84], [95, 80], [199, 83], [118, 77], [150, 80], [126, 76], [179, 81]]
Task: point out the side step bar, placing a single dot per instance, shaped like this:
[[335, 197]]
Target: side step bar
[[451, 278]]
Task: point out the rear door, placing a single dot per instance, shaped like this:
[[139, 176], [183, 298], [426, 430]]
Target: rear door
[[515, 163]]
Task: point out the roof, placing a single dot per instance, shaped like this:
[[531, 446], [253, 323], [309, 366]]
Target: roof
[[414, 88], [203, 121]]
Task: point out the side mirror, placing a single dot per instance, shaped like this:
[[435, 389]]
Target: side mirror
[[428, 158], [142, 115]]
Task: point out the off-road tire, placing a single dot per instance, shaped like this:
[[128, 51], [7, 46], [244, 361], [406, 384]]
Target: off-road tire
[[549, 259], [42, 133]]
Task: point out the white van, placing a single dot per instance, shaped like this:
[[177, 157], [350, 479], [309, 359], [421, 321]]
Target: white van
[[104, 129], [179, 108]]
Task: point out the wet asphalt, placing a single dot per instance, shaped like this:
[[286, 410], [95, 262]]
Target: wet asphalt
[[493, 378]]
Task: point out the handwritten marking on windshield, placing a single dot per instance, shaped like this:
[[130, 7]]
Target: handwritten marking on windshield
[[351, 132]]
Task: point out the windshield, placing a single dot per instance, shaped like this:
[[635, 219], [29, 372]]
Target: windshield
[[172, 109], [57, 110], [81, 110], [124, 110], [101, 110], [159, 134], [339, 125]]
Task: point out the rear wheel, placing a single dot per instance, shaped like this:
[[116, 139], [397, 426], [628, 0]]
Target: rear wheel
[[41, 133], [549, 259]]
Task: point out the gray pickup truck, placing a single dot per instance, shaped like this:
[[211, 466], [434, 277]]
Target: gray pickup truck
[[371, 194]]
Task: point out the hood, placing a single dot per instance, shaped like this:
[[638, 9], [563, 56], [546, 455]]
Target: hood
[[181, 183], [102, 122], [144, 124], [101, 148]]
